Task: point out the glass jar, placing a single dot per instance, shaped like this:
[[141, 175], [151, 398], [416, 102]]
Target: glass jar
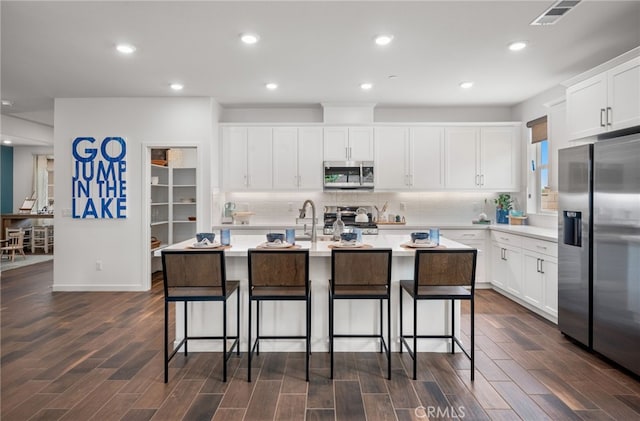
[[338, 227]]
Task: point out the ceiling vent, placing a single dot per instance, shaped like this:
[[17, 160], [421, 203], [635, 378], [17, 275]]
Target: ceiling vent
[[553, 14]]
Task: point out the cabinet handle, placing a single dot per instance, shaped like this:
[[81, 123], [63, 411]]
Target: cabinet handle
[[541, 270], [468, 235], [246, 180], [477, 179], [541, 247], [411, 180], [350, 152], [503, 251], [346, 152], [602, 117], [538, 265], [482, 179], [609, 116]]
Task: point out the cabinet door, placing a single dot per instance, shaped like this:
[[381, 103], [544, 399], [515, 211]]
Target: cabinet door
[[550, 281], [285, 158], [259, 158], [234, 164], [480, 263], [310, 158], [498, 158], [391, 145], [498, 266], [426, 158], [532, 287], [361, 144], [623, 85], [336, 143], [586, 107], [514, 270], [461, 158]]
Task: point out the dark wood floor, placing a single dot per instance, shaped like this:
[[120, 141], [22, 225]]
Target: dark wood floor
[[81, 356]]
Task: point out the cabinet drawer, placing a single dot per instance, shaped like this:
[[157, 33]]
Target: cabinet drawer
[[462, 235], [504, 238], [540, 246]]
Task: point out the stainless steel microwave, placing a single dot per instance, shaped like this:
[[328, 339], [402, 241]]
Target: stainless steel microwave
[[348, 175]]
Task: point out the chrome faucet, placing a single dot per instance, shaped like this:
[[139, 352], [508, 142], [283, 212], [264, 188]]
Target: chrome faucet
[[313, 215]]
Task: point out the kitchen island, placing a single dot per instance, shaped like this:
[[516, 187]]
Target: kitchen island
[[351, 316]]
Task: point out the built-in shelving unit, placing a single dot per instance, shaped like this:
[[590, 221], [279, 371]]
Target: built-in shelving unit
[[173, 203]]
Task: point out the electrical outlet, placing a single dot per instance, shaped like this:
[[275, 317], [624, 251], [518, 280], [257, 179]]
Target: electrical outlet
[[98, 264], [403, 206], [290, 206]]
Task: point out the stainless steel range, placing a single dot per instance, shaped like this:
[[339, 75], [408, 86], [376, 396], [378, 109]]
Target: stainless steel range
[[348, 215]]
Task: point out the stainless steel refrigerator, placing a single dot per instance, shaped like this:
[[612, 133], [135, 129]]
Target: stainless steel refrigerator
[[599, 248]]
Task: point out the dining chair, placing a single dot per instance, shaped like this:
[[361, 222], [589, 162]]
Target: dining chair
[[14, 243], [361, 274], [440, 275], [198, 276], [278, 275]]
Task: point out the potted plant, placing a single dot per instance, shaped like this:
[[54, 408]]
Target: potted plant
[[504, 203]]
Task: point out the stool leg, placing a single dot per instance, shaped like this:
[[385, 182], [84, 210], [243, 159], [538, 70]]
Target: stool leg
[[249, 344], [166, 341], [224, 340], [389, 337], [415, 338], [401, 337], [381, 327], [185, 329], [453, 326], [472, 353], [258, 327], [308, 331], [238, 322], [331, 331]]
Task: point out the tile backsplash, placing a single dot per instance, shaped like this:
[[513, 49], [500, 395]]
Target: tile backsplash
[[417, 208]]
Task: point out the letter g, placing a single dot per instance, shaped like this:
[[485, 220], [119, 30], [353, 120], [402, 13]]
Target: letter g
[[91, 151]]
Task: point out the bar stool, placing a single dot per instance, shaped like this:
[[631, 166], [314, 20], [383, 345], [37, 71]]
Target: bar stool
[[198, 275], [42, 237], [14, 244], [363, 274], [278, 275], [441, 275]]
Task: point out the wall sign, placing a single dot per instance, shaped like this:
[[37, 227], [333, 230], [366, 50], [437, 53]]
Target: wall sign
[[99, 186]]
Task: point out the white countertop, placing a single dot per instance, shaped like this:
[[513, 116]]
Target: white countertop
[[548, 234], [241, 243]]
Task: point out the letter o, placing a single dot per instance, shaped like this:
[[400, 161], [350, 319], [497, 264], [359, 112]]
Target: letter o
[[105, 144]]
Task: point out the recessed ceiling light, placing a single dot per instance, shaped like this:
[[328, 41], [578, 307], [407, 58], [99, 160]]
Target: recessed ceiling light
[[249, 38], [517, 46], [7, 103], [466, 85], [177, 86], [125, 48], [6, 142], [271, 86], [384, 39], [366, 86], [392, 76]]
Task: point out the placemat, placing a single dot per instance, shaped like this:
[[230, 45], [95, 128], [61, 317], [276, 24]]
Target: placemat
[[209, 248], [438, 247], [364, 246], [262, 246]]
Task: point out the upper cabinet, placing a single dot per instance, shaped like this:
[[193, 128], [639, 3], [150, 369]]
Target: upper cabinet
[[409, 158], [272, 158], [605, 102], [348, 144], [297, 158], [481, 158], [247, 158]]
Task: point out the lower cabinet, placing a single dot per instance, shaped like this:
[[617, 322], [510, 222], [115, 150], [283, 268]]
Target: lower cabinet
[[476, 239], [527, 270]]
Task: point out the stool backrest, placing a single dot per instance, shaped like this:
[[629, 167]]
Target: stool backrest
[[361, 267], [188, 269], [16, 239], [445, 267], [278, 268]]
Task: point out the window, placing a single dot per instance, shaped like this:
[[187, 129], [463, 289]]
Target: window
[[546, 200]]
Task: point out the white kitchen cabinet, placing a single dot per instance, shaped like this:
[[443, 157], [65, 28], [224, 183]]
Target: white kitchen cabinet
[[481, 158], [412, 158], [540, 275], [247, 163], [605, 102], [348, 144], [297, 158], [310, 158], [506, 263]]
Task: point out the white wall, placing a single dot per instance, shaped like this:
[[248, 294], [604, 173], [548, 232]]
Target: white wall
[[23, 171], [441, 114], [253, 114], [119, 244]]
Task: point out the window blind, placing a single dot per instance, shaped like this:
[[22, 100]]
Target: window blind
[[538, 129]]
